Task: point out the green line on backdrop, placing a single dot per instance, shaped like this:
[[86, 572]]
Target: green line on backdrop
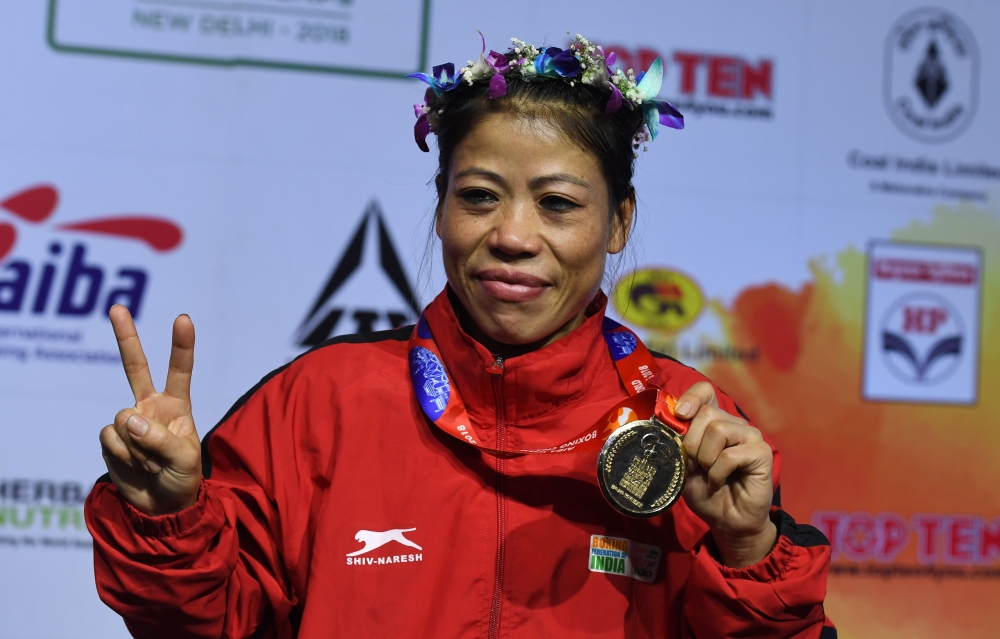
[[238, 61]]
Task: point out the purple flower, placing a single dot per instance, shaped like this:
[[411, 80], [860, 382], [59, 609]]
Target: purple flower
[[492, 66], [498, 87], [498, 62], [614, 102], [420, 131]]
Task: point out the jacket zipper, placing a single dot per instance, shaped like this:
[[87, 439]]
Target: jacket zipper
[[496, 607]]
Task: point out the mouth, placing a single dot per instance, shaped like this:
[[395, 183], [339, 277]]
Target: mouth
[[509, 285]]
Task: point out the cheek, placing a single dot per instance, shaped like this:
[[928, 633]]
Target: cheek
[[583, 251], [459, 237]]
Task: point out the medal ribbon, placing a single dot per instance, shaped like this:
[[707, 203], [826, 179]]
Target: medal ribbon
[[439, 398]]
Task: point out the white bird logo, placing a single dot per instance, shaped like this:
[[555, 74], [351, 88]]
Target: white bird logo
[[373, 539]]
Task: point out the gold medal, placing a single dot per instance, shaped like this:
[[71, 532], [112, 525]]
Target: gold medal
[[642, 468]]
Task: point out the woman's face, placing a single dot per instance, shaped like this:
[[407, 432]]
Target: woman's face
[[525, 229]]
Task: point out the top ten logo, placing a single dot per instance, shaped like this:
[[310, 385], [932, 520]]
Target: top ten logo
[[931, 75]]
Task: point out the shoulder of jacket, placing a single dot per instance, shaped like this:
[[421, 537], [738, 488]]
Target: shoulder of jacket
[[680, 377], [374, 350], [362, 349], [673, 367]]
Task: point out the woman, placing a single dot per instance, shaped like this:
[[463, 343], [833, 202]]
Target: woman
[[331, 500]]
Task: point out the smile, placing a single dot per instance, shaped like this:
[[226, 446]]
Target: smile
[[511, 286]]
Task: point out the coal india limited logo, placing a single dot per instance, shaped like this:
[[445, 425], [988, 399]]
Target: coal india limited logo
[[922, 338], [931, 79], [658, 298]]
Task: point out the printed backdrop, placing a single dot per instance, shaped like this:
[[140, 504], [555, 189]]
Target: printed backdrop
[[823, 240]]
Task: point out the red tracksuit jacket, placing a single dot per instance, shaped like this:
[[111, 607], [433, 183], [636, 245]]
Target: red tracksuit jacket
[[331, 507]]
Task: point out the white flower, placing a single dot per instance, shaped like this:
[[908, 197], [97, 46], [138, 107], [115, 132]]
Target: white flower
[[479, 70]]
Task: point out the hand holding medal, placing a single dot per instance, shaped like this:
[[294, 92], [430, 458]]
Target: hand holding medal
[[729, 483]]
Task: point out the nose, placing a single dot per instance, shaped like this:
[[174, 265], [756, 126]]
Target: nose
[[515, 233]]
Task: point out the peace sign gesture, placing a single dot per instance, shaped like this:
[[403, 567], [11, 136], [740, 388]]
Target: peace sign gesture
[[152, 450]]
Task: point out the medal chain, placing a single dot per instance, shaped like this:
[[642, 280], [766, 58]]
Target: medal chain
[[637, 368]]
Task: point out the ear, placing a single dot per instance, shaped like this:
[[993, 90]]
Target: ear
[[441, 183], [622, 225]]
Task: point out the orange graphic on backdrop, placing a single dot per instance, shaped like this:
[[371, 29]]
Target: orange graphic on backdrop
[[842, 453]]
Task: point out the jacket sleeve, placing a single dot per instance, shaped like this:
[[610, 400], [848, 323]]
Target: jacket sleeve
[[780, 596], [217, 568]]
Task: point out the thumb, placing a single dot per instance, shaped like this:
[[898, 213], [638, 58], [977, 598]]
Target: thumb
[[700, 394], [155, 439]]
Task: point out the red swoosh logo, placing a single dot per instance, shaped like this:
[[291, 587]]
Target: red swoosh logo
[[161, 235], [34, 204], [8, 235]]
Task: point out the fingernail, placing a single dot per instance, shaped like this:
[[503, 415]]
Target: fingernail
[[684, 408], [152, 466], [137, 425]]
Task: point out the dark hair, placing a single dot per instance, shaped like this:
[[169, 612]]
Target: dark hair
[[576, 110]]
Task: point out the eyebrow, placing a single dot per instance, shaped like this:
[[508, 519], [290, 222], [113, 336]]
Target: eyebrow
[[558, 177], [483, 173], [534, 183]]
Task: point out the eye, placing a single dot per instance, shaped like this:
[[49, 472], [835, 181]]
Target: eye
[[478, 197], [557, 204]]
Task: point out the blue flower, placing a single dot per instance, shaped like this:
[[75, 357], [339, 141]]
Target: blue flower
[[557, 63], [656, 112], [441, 79]]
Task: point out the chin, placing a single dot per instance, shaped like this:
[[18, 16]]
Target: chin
[[517, 328]]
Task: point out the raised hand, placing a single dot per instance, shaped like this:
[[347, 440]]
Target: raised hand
[[729, 477], [152, 450]]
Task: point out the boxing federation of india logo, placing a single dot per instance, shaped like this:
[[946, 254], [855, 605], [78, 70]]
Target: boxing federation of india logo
[[67, 282], [373, 540], [623, 557], [922, 338], [658, 298], [931, 79]]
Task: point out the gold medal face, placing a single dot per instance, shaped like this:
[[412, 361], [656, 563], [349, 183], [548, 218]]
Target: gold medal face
[[642, 468]]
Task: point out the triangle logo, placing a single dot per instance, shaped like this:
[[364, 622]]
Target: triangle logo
[[368, 289]]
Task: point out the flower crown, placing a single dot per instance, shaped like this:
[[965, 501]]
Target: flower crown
[[582, 62]]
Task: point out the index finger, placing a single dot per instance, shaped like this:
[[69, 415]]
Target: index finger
[[700, 394], [133, 359]]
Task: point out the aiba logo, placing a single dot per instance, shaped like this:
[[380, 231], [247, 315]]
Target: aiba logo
[[931, 75], [658, 298], [66, 282], [922, 338], [721, 84], [355, 298]]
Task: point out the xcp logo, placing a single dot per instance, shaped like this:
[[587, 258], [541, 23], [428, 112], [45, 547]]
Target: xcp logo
[[931, 75], [922, 337], [362, 295], [65, 281]]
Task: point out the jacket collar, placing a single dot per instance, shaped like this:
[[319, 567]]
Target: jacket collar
[[555, 391]]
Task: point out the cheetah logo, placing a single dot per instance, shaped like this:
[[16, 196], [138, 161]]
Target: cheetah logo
[[372, 539]]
